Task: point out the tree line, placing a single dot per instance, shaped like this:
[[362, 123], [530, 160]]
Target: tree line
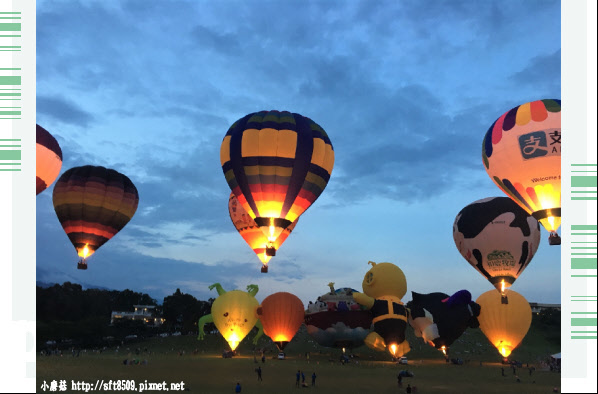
[[69, 316]]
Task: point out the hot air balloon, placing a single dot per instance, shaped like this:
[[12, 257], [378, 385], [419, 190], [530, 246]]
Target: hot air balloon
[[522, 155], [441, 319], [92, 205], [383, 287], [281, 315], [498, 239], [233, 312], [505, 325], [252, 234], [48, 159], [277, 164], [336, 320]]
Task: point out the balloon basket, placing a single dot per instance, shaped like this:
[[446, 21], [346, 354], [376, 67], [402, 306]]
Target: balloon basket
[[270, 251], [554, 239], [81, 265], [264, 269]]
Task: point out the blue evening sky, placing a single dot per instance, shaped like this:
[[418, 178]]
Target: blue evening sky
[[405, 90]]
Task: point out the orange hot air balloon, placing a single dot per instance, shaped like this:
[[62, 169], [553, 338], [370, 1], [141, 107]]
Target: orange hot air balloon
[[522, 155], [251, 232], [281, 315], [48, 159], [504, 324]]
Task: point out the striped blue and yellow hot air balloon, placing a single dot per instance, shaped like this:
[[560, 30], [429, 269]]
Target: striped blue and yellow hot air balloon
[[277, 164]]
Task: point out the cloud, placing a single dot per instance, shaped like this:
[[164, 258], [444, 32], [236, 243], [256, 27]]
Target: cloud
[[63, 110]]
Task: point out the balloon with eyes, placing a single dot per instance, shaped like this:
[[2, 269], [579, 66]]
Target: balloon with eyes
[[440, 319], [383, 287], [234, 313]]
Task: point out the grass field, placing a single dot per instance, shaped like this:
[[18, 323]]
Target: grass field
[[203, 370]]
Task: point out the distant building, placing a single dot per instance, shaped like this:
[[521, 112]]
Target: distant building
[[145, 313], [538, 307]]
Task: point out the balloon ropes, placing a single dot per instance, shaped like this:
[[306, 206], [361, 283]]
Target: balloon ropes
[[498, 239], [92, 205], [276, 164], [252, 234], [522, 155], [48, 159]]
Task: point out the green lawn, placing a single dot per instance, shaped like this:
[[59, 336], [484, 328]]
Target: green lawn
[[207, 372]]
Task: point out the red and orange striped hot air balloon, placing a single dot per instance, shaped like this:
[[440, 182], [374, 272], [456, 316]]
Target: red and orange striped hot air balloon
[[252, 234], [92, 205], [281, 315], [277, 164], [48, 159]]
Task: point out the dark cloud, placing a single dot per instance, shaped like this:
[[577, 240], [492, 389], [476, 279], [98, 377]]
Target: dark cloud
[[542, 73], [63, 110]]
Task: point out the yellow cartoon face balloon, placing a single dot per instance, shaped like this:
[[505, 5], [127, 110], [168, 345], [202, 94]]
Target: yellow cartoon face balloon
[[234, 314], [384, 279]]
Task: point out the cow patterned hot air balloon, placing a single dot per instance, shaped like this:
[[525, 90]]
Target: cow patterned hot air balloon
[[48, 159], [522, 155], [498, 239], [277, 164], [252, 234], [92, 205]]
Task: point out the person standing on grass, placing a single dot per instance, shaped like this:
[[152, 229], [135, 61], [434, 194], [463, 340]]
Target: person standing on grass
[[400, 379], [313, 379], [259, 373], [302, 378], [298, 377], [238, 388], [408, 389]]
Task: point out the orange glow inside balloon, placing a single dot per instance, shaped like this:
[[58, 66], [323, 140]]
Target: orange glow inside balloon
[[84, 252]]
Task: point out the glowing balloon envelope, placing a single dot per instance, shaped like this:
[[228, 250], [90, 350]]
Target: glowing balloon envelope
[[281, 314], [505, 325], [252, 234], [522, 155], [234, 314], [498, 239], [92, 205], [277, 164], [48, 159]]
